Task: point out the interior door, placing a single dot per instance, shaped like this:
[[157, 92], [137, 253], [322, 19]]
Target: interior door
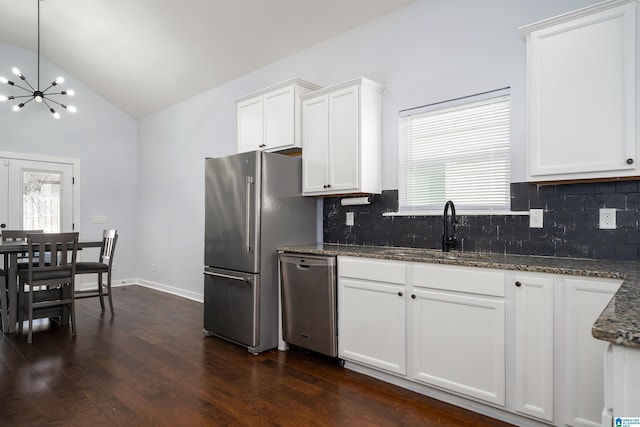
[[36, 195]]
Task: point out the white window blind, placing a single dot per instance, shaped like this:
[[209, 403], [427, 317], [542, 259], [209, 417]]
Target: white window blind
[[458, 150]]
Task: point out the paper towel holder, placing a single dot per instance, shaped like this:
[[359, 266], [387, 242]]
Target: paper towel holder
[[352, 201]]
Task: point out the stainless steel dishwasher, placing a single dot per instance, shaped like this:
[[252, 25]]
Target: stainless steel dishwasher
[[309, 302]]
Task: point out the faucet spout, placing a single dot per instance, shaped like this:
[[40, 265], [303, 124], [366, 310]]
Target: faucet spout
[[449, 239]]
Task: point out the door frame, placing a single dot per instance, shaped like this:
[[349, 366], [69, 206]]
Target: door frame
[[75, 187]]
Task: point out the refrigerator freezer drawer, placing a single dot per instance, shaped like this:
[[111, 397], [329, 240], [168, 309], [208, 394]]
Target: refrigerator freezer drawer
[[309, 302], [231, 306]]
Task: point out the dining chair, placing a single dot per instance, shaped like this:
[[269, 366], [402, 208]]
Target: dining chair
[[46, 288], [11, 236], [103, 265], [17, 236]]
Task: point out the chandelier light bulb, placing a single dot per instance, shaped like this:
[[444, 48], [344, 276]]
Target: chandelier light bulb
[[71, 92], [56, 115], [59, 80], [16, 71], [4, 98], [17, 107], [3, 80], [38, 98], [72, 108]]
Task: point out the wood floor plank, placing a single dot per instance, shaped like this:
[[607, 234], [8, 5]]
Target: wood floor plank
[[152, 365]]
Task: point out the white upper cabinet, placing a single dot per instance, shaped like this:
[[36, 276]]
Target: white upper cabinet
[[342, 139], [582, 94], [271, 118]]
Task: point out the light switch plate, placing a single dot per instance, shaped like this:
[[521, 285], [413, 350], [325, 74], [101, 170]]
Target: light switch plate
[[350, 220], [607, 219], [98, 219], [536, 218]]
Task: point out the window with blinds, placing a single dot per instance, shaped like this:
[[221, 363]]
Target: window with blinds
[[458, 150]]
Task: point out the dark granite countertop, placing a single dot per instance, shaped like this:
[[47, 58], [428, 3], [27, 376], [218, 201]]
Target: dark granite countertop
[[619, 323]]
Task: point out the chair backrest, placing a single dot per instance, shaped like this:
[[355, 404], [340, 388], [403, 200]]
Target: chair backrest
[[63, 248], [17, 235], [109, 239]]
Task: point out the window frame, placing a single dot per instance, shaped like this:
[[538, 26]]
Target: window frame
[[444, 107]]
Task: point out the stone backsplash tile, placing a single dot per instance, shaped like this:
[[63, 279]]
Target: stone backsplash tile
[[570, 223]]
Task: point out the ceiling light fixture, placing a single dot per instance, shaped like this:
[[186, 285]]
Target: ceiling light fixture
[[40, 96]]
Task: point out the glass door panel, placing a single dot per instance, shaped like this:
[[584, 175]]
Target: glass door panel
[[40, 196]]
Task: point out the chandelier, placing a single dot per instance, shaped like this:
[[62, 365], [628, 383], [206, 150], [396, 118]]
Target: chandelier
[[36, 94]]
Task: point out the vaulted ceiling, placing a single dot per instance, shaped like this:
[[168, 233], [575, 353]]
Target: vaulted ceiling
[[145, 55]]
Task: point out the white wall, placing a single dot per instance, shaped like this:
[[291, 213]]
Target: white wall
[[101, 136], [427, 52]]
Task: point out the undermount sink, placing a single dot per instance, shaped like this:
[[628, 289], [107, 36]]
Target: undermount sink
[[431, 253]]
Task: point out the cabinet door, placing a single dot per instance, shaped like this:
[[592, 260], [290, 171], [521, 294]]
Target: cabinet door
[[344, 122], [459, 343], [250, 125], [371, 324], [315, 144], [534, 346], [584, 360], [279, 119], [582, 97]]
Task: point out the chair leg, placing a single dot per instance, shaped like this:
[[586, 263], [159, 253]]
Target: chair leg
[[72, 309], [100, 291], [19, 313], [30, 333], [4, 318], [109, 293]]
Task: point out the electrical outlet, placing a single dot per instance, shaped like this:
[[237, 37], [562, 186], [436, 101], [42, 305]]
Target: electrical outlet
[[607, 219], [350, 220], [536, 217]]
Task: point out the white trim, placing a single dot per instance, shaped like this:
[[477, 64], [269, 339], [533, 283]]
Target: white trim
[[451, 103], [74, 162], [585, 11], [194, 296]]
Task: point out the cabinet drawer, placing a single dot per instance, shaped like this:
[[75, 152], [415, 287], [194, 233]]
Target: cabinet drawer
[[459, 279], [375, 270]]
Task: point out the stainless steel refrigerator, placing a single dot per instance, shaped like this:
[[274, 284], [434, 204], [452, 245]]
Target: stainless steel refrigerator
[[253, 203]]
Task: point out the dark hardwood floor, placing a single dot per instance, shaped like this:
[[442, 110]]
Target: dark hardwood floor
[[151, 365]]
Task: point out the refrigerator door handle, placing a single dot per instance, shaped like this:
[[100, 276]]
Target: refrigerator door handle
[[247, 222], [226, 276]]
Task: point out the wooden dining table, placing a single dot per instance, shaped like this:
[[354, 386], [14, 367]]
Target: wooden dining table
[[13, 250]]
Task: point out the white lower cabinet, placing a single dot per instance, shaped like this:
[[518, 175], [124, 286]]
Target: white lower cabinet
[[584, 367], [372, 313], [464, 353], [534, 351], [514, 343]]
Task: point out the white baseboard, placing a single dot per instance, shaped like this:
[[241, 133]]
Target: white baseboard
[[194, 296]]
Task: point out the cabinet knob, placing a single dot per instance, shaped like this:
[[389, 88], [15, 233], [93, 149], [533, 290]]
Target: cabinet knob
[[413, 296], [399, 294], [629, 161], [518, 284]]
